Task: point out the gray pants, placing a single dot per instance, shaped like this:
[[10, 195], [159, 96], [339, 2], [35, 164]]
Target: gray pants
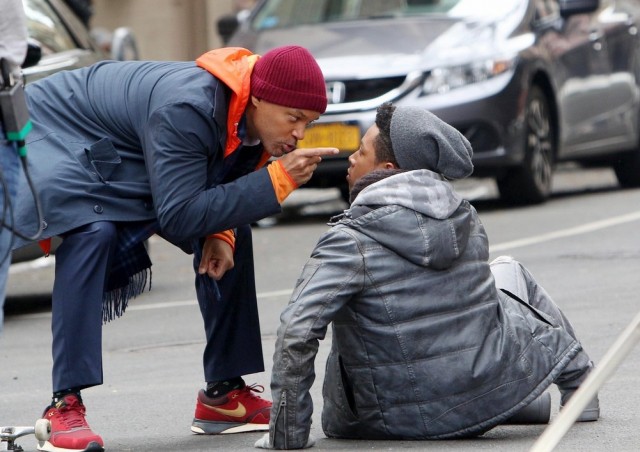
[[511, 276]]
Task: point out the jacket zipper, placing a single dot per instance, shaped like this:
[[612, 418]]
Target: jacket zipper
[[282, 409]]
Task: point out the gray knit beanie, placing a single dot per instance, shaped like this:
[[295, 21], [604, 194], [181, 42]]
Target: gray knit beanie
[[421, 140]]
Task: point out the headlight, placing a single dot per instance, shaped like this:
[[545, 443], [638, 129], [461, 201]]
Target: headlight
[[444, 79]]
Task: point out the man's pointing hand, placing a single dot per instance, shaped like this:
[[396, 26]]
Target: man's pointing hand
[[301, 163]]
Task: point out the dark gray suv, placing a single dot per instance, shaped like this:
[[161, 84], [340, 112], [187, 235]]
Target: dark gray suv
[[529, 82]]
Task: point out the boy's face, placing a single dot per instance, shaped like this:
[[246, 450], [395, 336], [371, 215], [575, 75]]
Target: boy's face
[[278, 128], [364, 160]]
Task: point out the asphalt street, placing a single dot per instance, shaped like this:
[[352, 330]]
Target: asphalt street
[[583, 246]]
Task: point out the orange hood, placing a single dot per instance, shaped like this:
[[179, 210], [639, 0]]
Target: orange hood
[[233, 67]]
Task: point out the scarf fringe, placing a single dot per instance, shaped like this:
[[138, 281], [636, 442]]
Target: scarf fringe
[[115, 302]]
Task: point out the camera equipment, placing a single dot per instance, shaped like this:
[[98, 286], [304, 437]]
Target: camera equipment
[[13, 105], [14, 116]]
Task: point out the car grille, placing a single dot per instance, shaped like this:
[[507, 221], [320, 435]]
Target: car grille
[[359, 90]]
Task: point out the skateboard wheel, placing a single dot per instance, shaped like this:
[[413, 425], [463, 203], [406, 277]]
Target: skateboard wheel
[[42, 430]]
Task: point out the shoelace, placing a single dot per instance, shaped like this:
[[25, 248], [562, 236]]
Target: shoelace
[[247, 393], [72, 414], [255, 388]]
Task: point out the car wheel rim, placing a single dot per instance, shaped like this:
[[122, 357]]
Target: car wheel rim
[[539, 144]]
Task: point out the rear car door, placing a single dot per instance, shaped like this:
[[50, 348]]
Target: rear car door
[[583, 102], [619, 20]]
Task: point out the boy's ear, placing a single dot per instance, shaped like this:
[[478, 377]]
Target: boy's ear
[[390, 165]]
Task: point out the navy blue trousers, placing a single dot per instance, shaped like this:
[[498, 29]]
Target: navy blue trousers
[[230, 313], [83, 260]]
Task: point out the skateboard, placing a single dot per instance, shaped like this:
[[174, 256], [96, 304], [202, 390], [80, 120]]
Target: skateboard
[[8, 435]]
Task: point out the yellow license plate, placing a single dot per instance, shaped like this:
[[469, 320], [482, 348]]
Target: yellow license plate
[[345, 137]]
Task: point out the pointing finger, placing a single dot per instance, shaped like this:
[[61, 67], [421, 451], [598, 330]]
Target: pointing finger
[[313, 152]]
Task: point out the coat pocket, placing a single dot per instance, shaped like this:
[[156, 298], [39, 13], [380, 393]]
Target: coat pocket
[[104, 158], [348, 389]]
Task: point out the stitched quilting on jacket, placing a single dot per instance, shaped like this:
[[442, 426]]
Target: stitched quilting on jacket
[[423, 344]]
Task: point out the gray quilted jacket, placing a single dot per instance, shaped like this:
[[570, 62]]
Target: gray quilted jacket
[[424, 345]]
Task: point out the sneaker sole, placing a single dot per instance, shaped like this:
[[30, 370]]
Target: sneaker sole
[[48, 447], [223, 428], [589, 415]]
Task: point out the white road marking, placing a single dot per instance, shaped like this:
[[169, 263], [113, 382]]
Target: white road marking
[[41, 262], [569, 232], [171, 304]]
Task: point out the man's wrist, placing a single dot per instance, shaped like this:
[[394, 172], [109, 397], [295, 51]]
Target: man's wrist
[[283, 183], [227, 236]]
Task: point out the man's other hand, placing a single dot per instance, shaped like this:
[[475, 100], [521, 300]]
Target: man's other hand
[[217, 258]]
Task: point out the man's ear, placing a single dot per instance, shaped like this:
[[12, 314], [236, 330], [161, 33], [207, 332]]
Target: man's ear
[[255, 101]]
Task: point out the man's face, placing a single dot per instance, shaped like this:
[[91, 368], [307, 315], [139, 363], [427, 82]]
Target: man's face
[[364, 160], [278, 128]]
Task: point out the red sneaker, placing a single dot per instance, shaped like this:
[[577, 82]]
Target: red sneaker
[[238, 411], [69, 429]]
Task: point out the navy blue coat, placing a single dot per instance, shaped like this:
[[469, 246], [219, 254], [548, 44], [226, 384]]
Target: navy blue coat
[[136, 141]]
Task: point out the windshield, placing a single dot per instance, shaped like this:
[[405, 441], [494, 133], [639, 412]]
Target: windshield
[[289, 13]]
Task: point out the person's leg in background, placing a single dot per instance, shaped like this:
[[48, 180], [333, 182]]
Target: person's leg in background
[[513, 277], [9, 166], [234, 346]]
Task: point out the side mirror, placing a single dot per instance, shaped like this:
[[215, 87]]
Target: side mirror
[[571, 7], [123, 45], [119, 44], [34, 53], [227, 25]]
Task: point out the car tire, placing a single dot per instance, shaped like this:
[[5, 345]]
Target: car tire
[[627, 169], [531, 182]]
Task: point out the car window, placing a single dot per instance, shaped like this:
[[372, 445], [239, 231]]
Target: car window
[[46, 27], [287, 13]]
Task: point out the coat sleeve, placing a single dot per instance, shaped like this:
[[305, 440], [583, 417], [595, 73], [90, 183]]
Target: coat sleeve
[[181, 145], [332, 276]]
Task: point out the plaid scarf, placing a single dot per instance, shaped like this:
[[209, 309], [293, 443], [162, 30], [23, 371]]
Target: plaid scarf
[[131, 268]]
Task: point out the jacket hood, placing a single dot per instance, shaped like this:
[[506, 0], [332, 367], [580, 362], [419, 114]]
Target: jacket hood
[[233, 67], [417, 214]]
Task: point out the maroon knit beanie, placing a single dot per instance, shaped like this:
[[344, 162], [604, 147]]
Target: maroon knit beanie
[[289, 76]]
